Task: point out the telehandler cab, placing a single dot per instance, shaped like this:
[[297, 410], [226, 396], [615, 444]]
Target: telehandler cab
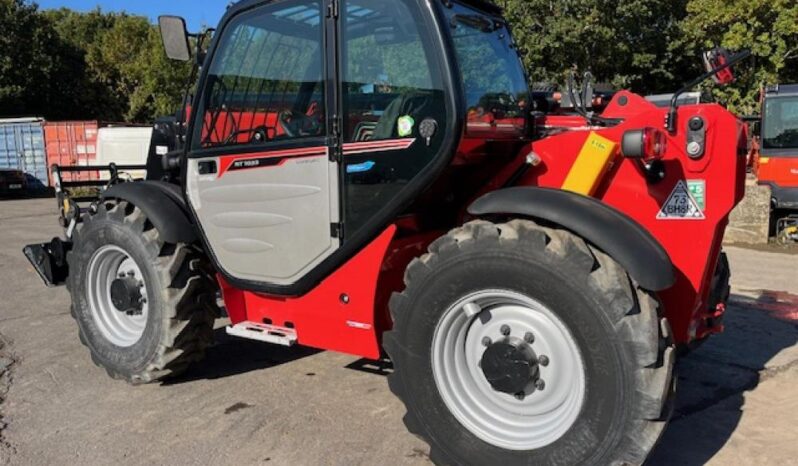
[[360, 175]]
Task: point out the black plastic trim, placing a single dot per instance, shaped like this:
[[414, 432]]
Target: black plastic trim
[[486, 6], [784, 197], [613, 232], [164, 206], [779, 153], [356, 242]]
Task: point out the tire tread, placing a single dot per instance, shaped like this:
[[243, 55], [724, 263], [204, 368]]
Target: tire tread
[[635, 312]]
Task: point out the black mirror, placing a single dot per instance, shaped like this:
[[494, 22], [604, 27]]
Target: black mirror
[[175, 37]]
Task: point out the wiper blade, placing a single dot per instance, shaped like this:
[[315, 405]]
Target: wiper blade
[[478, 22]]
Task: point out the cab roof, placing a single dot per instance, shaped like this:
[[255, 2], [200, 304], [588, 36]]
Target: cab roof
[[782, 89], [486, 5]]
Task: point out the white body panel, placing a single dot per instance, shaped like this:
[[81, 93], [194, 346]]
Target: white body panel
[[268, 224], [123, 146]]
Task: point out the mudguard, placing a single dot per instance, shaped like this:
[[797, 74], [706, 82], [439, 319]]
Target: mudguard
[[164, 206], [610, 230]]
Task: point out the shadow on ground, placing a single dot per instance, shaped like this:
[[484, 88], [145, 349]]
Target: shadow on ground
[[43, 193], [714, 378], [231, 356]]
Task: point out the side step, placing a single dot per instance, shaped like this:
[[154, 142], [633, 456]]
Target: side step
[[262, 332]]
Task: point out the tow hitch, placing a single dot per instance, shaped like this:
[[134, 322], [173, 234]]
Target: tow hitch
[[49, 260]]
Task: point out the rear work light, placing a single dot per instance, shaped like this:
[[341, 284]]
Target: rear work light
[[647, 144], [647, 147]]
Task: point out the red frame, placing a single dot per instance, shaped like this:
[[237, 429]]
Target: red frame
[[323, 318]]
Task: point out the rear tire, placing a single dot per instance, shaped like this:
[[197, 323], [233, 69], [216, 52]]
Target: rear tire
[[625, 345], [173, 321]]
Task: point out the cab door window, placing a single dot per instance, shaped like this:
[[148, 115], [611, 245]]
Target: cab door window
[[497, 94], [266, 82], [392, 87]]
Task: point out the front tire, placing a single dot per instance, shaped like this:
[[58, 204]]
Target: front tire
[[473, 300], [144, 307]]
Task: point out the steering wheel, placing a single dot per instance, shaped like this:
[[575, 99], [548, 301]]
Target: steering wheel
[[295, 124]]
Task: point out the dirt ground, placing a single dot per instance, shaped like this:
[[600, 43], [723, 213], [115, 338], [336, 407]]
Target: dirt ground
[[251, 403]]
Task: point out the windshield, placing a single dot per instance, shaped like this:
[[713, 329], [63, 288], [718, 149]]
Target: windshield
[[497, 95], [780, 129]]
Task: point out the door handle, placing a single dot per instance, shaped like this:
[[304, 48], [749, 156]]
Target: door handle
[[207, 168]]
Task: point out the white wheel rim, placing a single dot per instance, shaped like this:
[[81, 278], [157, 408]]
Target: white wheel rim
[[501, 419], [118, 327]]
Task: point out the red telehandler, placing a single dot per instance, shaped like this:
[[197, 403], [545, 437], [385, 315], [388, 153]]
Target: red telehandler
[[373, 177]]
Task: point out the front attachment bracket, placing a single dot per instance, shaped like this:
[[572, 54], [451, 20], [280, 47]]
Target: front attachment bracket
[[49, 260]]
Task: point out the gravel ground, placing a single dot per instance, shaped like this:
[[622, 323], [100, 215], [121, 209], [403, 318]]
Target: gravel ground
[[252, 403]]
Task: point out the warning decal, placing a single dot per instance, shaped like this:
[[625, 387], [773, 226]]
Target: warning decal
[[681, 205]]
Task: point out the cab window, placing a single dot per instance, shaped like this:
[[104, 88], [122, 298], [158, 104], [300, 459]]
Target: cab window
[[266, 80], [497, 95], [394, 105], [386, 74], [781, 123]]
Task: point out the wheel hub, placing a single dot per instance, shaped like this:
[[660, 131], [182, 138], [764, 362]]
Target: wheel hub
[[126, 295], [508, 369], [510, 366], [117, 295]]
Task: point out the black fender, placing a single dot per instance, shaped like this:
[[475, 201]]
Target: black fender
[[623, 239], [164, 206]]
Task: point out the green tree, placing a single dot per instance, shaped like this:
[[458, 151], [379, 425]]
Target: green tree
[[129, 59], [628, 43], [26, 66], [769, 28], [82, 95], [67, 65]]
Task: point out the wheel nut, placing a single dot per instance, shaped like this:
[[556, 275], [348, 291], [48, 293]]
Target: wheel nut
[[505, 330], [529, 337], [543, 360], [520, 396], [486, 341], [540, 384]]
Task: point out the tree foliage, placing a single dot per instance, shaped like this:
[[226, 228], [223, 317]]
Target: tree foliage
[[111, 66], [67, 65], [654, 46], [628, 43], [25, 66], [769, 28]]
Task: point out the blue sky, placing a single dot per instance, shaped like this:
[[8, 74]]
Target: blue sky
[[196, 12]]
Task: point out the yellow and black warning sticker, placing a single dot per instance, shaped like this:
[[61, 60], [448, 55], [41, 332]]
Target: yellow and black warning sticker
[[686, 202]]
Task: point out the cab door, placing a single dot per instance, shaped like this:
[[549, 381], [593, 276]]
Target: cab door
[[259, 177], [397, 107]]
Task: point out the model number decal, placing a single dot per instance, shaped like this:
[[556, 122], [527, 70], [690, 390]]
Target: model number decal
[[686, 202]]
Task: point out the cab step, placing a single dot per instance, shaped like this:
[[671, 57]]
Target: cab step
[[262, 332]]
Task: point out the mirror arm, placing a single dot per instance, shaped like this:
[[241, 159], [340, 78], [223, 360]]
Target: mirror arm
[[670, 119]]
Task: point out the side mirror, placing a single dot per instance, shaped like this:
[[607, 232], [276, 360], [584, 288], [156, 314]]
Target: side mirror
[[175, 37], [714, 60]]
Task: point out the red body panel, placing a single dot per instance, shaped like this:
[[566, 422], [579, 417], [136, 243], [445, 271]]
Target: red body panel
[[780, 170], [338, 315], [693, 245], [323, 320]]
